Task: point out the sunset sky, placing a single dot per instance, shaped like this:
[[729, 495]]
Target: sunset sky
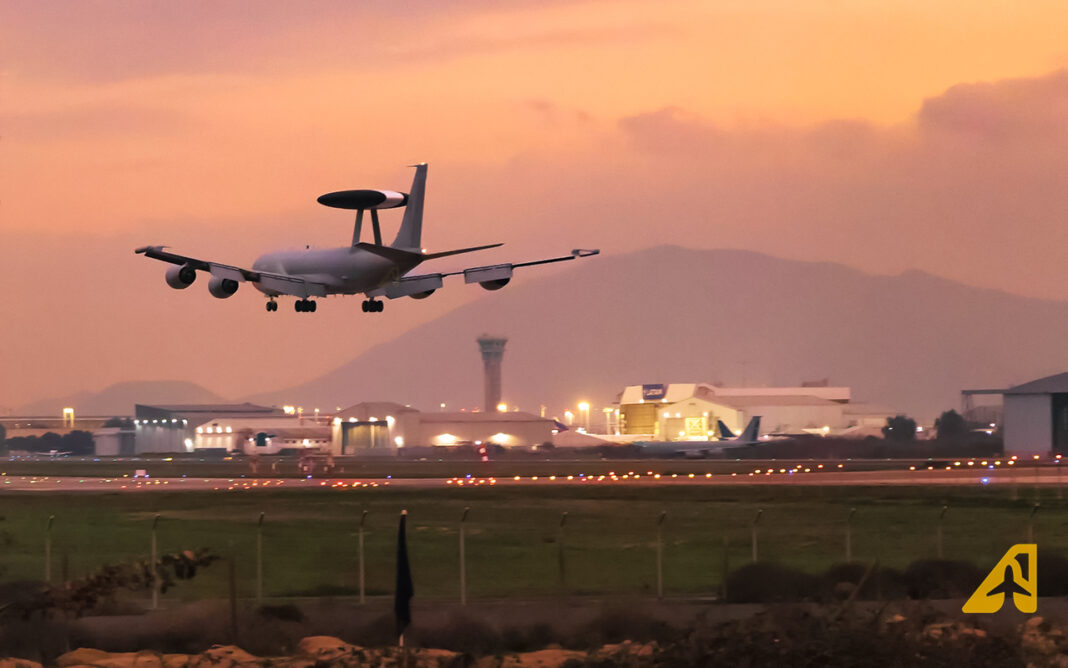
[[883, 135]]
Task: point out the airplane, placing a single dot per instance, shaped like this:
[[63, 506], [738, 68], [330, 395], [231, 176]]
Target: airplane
[[1009, 586], [749, 436], [372, 269]]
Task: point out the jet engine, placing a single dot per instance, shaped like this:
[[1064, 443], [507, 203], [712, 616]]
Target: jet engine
[[495, 285], [422, 295], [181, 277], [221, 288]]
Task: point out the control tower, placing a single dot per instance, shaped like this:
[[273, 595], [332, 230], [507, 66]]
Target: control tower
[[492, 348]]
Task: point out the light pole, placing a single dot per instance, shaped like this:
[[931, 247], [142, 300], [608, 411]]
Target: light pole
[[607, 420], [584, 414]]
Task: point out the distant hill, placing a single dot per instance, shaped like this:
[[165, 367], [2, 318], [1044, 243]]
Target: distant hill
[[671, 314], [119, 399]]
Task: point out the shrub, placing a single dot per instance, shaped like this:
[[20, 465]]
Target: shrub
[[1052, 574], [767, 582], [941, 578]]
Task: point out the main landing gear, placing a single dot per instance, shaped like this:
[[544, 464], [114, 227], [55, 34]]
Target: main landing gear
[[373, 306], [304, 306]]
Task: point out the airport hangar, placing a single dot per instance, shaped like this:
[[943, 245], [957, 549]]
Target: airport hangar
[[373, 428], [1035, 416], [690, 411]]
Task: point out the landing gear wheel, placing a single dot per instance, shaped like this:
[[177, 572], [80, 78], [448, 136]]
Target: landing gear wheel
[[312, 305], [373, 306]]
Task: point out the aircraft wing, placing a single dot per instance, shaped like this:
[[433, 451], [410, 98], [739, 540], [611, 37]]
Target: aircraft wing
[[280, 283], [491, 277]]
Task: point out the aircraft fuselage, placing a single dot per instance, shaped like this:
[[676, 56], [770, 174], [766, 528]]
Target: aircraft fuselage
[[344, 271]]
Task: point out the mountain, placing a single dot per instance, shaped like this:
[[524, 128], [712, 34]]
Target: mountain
[[119, 399], [671, 314]]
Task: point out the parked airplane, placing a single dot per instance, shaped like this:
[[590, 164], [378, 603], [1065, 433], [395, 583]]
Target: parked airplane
[[372, 269], [749, 436]]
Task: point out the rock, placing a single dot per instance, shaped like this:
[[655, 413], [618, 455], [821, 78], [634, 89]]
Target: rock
[[175, 660], [434, 658], [18, 663], [225, 656], [1037, 635], [546, 658], [83, 656], [327, 648]]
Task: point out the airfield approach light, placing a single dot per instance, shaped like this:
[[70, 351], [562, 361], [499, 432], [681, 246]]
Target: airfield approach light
[[399, 441], [443, 405], [502, 407], [289, 410]]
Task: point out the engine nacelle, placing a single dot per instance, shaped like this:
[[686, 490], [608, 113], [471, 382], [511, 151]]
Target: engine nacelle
[[495, 285], [422, 295], [181, 277], [221, 288]]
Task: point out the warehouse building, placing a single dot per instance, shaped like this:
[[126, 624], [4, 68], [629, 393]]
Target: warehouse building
[[690, 411], [383, 428]]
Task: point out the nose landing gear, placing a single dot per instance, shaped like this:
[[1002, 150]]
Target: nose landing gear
[[272, 306], [373, 306]]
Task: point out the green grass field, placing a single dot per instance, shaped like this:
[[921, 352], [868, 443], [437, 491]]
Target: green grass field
[[310, 536]]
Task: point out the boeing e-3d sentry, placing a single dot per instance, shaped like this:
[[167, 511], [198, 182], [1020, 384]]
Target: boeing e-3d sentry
[[727, 439], [371, 269]]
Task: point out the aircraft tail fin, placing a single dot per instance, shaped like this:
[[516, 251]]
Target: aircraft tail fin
[[724, 431], [410, 235], [752, 431]]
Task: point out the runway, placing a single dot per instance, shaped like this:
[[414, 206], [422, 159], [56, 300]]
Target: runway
[[801, 475]]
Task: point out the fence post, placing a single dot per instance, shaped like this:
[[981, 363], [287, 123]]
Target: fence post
[[756, 524], [941, 517], [849, 535], [726, 563], [155, 570], [48, 549], [463, 558], [233, 599], [1031, 524], [259, 560], [560, 553], [363, 518], [660, 555]]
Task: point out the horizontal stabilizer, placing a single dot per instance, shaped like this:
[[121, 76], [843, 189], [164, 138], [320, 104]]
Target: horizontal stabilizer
[[431, 256]]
